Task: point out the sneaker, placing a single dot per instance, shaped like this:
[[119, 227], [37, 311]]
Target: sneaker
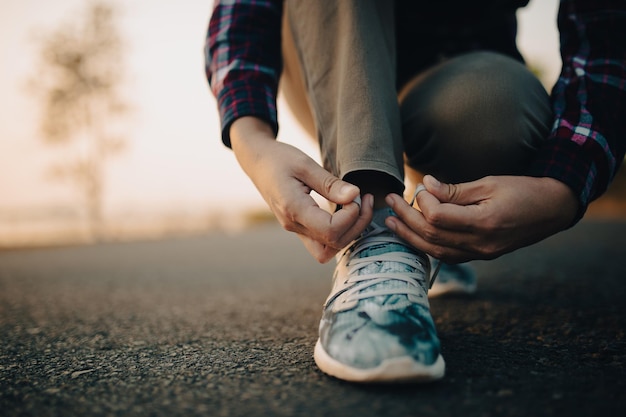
[[376, 324], [456, 279]]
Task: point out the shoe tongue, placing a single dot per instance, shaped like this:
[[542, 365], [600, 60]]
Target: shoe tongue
[[379, 221], [386, 266]]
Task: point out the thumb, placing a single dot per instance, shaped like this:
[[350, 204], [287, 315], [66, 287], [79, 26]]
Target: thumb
[[461, 194], [329, 186]]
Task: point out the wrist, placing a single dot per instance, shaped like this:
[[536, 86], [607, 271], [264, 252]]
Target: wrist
[[249, 139], [248, 129], [564, 198]]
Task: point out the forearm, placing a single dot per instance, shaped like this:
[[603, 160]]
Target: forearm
[[562, 198]]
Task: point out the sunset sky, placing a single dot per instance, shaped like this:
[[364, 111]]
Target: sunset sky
[[174, 156]]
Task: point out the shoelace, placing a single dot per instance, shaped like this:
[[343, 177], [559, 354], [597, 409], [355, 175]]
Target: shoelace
[[414, 280]]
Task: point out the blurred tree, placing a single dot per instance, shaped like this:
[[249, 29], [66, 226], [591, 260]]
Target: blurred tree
[[79, 83]]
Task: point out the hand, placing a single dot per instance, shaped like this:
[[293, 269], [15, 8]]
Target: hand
[[285, 177], [483, 219]]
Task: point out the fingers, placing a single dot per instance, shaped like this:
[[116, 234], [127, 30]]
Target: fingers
[[345, 216], [327, 185], [321, 253], [438, 238], [445, 253], [331, 231], [458, 207], [324, 234], [433, 213], [460, 194]]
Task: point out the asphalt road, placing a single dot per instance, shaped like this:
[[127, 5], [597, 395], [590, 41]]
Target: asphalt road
[[224, 325]]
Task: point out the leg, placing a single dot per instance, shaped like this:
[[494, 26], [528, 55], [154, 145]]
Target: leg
[[344, 47], [475, 115], [376, 324]]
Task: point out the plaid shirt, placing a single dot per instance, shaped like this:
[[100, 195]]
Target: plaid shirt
[[588, 139]]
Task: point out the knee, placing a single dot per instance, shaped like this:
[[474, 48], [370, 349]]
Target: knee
[[483, 89], [483, 111]]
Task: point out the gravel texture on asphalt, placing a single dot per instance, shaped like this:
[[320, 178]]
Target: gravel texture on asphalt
[[224, 325]]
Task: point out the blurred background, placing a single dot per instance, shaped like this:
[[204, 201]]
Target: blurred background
[[125, 143]]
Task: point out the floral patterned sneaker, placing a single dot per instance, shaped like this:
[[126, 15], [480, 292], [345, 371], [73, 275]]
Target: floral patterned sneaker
[[376, 324]]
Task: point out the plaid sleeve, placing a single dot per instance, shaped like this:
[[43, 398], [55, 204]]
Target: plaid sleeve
[[588, 138], [243, 60]]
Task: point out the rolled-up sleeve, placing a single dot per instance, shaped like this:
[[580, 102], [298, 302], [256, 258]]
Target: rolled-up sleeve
[[243, 60]]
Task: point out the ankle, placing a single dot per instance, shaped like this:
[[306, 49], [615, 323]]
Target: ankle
[[379, 184], [379, 202]]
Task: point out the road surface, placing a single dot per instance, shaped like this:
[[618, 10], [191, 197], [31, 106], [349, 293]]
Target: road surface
[[224, 325]]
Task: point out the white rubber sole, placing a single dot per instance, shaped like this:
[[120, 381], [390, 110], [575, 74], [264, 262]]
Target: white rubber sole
[[403, 369]]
